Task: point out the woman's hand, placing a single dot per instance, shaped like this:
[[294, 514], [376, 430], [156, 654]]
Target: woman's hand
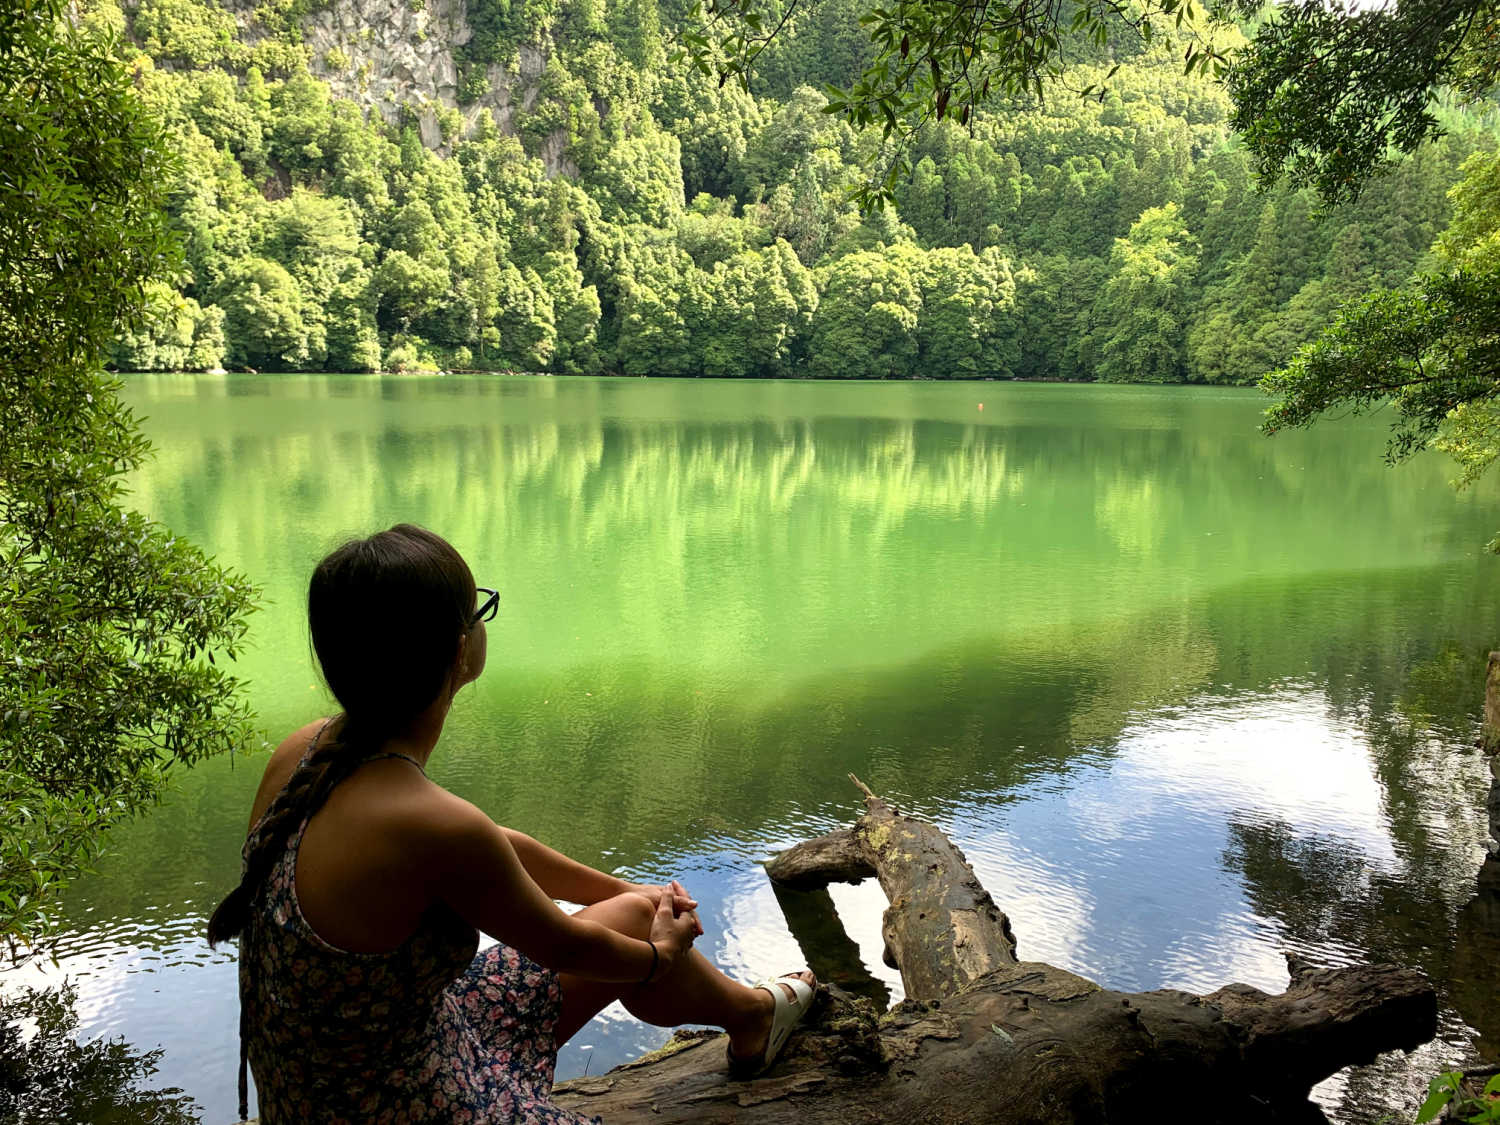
[[686, 902], [674, 927], [682, 900]]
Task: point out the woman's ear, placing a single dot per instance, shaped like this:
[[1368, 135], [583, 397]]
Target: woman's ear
[[461, 662], [468, 660]]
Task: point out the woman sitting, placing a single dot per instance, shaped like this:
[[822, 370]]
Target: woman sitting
[[365, 885]]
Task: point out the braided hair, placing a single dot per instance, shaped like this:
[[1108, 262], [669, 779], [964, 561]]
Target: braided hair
[[386, 614]]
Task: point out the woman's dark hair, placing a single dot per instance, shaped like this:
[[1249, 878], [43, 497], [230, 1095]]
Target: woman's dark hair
[[386, 614]]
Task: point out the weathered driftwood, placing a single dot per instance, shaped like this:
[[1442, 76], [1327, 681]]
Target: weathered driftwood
[[1489, 741], [1489, 735], [983, 1037]]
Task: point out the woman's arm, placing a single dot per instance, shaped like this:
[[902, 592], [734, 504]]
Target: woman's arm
[[475, 869], [564, 878]]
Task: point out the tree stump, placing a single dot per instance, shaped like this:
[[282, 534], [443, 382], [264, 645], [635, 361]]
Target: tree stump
[[985, 1037]]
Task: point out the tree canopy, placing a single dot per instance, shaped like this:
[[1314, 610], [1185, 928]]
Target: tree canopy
[[1431, 347], [1326, 92], [620, 217], [1325, 95], [108, 624], [930, 60]]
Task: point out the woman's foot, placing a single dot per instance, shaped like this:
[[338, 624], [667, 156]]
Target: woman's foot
[[748, 1042]]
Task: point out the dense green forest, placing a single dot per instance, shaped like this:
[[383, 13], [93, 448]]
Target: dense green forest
[[589, 206]]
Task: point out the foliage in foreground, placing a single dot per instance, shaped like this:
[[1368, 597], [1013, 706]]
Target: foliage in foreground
[[48, 1076], [936, 60], [1325, 95], [1431, 348], [1446, 1092], [108, 625], [1328, 93]]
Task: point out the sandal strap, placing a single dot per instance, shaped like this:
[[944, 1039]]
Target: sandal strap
[[787, 1013], [789, 1010], [802, 992]]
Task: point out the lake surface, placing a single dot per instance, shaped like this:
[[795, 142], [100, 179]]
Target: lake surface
[[1188, 697]]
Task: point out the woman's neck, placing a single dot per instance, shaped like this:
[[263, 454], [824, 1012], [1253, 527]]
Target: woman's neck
[[417, 739]]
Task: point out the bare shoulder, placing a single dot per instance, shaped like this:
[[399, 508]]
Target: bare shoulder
[[282, 764], [450, 833], [449, 820]]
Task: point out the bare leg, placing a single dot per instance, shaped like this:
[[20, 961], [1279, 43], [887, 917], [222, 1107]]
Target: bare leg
[[696, 992]]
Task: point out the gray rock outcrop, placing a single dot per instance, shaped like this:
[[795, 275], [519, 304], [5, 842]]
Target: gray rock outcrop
[[395, 56]]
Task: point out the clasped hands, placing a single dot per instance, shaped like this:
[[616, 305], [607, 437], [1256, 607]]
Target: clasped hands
[[676, 924]]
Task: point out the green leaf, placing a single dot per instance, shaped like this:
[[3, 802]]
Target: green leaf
[[1440, 1092]]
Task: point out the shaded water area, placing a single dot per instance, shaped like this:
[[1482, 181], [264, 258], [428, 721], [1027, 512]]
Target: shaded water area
[[1186, 696]]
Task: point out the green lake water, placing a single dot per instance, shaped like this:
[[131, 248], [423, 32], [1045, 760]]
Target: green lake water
[[1188, 697]]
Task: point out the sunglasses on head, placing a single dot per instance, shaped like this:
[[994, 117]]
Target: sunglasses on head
[[487, 608]]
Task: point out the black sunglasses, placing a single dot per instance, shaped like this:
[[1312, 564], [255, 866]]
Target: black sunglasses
[[487, 608]]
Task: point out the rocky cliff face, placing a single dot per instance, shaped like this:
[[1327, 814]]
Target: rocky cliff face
[[384, 55]]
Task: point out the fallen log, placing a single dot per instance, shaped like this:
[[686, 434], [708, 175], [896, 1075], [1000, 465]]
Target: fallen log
[[1489, 730], [985, 1037], [1489, 741]]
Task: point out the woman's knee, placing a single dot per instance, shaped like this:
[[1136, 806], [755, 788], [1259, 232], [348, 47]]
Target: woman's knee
[[629, 913], [642, 913]]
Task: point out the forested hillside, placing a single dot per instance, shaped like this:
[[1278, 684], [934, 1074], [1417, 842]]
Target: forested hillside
[[533, 185]]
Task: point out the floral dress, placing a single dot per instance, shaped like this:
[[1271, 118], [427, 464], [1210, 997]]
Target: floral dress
[[427, 1032]]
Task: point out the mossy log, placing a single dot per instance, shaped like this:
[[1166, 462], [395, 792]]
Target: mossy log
[[985, 1037]]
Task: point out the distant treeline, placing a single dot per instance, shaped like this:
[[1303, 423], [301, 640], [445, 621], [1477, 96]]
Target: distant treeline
[[709, 231]]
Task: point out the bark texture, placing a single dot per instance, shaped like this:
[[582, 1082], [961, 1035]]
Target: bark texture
[[1489, 741], [985, 1037], [1490, 731]]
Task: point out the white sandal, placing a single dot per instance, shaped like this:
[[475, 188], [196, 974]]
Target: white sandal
[[788, 1013]]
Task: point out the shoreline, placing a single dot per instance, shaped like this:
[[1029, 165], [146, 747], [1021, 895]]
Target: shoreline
[[468, 372]]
